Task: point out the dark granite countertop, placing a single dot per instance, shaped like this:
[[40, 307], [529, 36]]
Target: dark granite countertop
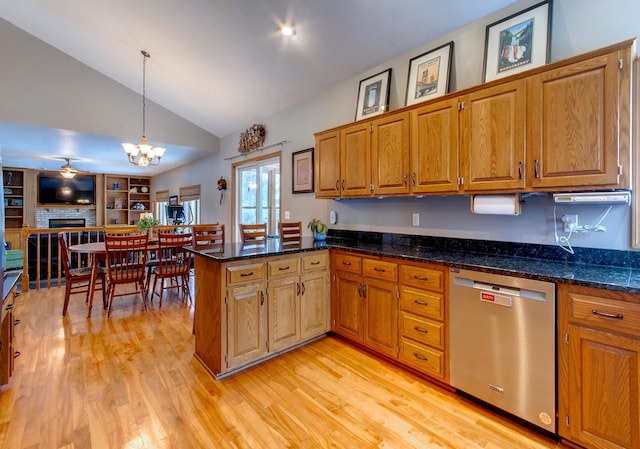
[[608, 269], [600, 276], [230, 252]]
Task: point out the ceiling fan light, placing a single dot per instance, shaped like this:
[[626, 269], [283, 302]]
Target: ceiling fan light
[[67, 174]]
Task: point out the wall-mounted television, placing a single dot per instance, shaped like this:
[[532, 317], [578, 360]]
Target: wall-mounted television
[[54, 189]]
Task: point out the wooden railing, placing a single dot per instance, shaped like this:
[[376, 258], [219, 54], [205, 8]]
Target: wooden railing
[[40, 266]]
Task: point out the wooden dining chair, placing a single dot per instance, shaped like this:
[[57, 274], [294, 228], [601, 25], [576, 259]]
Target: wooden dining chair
[[174, 263], [126, 264], [291, 232], [253, 233], [208, 234], [76, 280]]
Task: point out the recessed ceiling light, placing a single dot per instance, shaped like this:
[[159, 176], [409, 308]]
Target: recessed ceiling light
[[288, 30]]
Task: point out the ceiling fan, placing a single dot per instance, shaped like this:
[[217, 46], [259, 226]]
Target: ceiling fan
[[67, 170]]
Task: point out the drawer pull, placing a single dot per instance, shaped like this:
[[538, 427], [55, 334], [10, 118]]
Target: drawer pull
[[421, 303], [9, 306], [16, 354], [317, 262], [15, 322], [284, 268], [346, 262], [420, 357], [379, 270], [421, 329], [617, 316], [421, 278], [244, 275]]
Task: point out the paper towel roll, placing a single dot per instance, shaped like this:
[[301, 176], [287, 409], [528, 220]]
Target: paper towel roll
[[496, 204]]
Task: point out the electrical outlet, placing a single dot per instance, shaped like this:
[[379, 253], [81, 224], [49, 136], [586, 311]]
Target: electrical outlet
[[287, 215], [570, 222], [415, 219]]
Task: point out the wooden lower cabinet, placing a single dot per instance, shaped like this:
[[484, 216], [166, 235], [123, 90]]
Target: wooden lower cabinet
[[250, 310], [394, 307], [8, 322], [599, 367]]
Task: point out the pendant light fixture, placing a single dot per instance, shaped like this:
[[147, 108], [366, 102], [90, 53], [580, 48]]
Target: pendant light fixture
[[68, 171], [143, 154]]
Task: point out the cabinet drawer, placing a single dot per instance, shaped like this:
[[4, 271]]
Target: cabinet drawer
[[423, 358], [283, 267], [422, 302], [422, 330], [245, 273], [608, 313], [315, 261], [346, 262], [380, 269], [422, 277]]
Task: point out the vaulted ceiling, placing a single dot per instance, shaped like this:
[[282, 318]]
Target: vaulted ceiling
[[222, 64]]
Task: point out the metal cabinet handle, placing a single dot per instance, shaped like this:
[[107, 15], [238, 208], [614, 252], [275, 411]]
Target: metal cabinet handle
[[364, 291], [520, 170], [315, 263], [9, 306], [617, 316], [414, 178], [246, 274], [421, 303], [421, 329], [421, 278], [346, 262], [343, 184], [360, 290], [284, 268], [337, 184], [536, 168], [298, 286], [406, 176], [379, 270], [261, 297], [15, 322], [303, 289], [16, 354], [420, 356]]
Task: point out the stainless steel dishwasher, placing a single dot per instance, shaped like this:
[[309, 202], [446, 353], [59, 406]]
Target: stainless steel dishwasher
[[502, 343]]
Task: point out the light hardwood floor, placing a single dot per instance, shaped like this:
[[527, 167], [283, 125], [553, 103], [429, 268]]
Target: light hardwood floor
[[131, 381]]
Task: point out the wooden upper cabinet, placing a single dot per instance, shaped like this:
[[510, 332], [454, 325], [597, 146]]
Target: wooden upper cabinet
[[327, 164], [434, 147], [492, 133], [390, 154], [355, 160], [576, 123]]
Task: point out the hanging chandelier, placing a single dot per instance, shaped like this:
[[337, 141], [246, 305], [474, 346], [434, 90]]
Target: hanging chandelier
[[68, 171], [143, 154]]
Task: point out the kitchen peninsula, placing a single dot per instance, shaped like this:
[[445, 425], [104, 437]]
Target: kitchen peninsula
[[255, 301]]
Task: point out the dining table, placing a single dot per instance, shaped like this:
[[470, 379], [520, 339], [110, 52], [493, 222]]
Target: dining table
[[97, 252]]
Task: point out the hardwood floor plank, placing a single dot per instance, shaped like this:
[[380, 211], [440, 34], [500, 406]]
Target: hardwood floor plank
[[131, 381]]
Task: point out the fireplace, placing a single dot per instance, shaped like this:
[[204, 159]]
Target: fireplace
[[66, 223]]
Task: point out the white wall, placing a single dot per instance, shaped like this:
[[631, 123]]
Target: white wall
[[578, 26]]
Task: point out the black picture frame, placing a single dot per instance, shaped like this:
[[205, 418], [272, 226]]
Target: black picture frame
[[429, 74], [302, 171], [373, 95], [518, 42], [173, 200]]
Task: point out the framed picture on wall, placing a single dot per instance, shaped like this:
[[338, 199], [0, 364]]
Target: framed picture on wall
[[519, 42], [302, 171], [429, 74], [173, 200], [373, 95]]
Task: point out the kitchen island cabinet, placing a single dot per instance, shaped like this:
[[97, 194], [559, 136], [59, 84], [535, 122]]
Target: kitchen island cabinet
[[7, 326], [254, 302], [598, 367]]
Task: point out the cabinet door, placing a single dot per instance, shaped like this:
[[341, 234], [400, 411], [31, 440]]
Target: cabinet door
[[492, 138], [573, 124], [434, 147], [347, 302], [601, 372], [246, 324], [284, 327], [355, 157], [381, 316], [314, 304], [327, 165], [390, 154]]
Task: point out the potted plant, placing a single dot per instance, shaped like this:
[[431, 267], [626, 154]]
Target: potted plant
[[318, 228], [146, 222]]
